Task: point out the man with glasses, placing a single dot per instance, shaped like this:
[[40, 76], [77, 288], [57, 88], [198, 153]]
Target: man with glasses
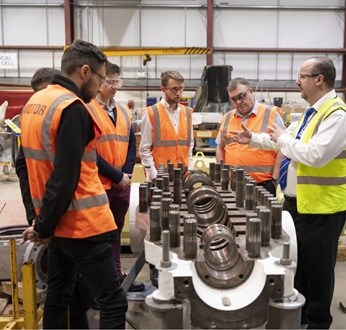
[[166, 132], [314, 184], [262, 165], [116, 155], [57, 167], [166, 128]]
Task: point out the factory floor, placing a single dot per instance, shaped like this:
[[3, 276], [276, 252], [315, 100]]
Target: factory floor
[[12, 213]]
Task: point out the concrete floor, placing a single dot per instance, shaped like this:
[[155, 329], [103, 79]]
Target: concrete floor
[[12, 213]]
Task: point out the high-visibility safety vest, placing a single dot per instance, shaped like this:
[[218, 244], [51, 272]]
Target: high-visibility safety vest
[[113, 144], [322, 190], [167, 145], [89, 213], [256, 162]]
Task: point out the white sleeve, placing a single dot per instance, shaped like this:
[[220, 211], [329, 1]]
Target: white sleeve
[[145, 146]]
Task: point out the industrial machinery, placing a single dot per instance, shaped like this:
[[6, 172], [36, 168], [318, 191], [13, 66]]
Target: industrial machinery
[[25, 252], [8, 141], [211, 102], [224, 250]]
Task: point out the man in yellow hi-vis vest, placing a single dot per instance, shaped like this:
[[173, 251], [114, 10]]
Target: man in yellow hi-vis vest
[[313, 179]]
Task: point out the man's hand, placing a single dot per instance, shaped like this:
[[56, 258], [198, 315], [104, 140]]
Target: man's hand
[[275, 132], [125, 181], [242, 137], [31, 235]]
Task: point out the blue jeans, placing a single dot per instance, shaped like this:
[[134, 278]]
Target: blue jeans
[[94, 260]]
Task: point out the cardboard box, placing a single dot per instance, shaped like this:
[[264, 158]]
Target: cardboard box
[[292, 108]]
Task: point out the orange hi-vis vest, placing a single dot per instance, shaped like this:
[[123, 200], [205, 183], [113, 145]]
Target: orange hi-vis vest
[[167, 145], [259, 164], [89, 213], [113, 144]]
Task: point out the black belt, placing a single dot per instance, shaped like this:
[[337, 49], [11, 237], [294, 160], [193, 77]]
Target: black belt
[[290, 199]]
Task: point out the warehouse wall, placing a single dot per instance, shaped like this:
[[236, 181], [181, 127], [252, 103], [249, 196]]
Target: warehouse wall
[[174, 23]]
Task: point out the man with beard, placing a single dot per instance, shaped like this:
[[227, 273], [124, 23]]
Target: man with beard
[[174, 139], [166, 133], [57, 166]]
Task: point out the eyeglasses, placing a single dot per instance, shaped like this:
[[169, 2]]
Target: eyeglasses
[[305, 75], [117, 83], [175, 90], [240, 97], [100, 75]]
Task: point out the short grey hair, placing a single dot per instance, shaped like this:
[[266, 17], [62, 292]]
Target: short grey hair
[[233, 84]]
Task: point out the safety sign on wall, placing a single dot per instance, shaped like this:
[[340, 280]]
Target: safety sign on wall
[[8, 60]]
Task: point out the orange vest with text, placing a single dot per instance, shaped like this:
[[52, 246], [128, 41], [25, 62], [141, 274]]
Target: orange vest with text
[[258, 163], [89, 213], [113, 144], [167, 145]]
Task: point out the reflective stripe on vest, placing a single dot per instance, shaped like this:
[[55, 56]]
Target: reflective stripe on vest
[[265, 122], [47, 154], [170, 143], [113, 144], [80, 204], [259, 164], [257, 168]]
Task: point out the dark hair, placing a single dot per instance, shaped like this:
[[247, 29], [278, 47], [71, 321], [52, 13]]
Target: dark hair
[[233, 84], [112, 68], [43, 77], [326, 68], [80, 53], [175, 75]]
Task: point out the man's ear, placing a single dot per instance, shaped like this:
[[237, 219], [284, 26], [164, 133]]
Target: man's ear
[[320, 79], [162, 89], [85, 72]]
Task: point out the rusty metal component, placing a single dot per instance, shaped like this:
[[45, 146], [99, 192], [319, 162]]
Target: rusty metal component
[[174, 228], [155, 223], [190, 236], [264, 215], [239, 193], [224, 178], [223, 265], [166, 260], [26, 252], [195, 179], [248, 217], [276, 211], [151, 194], [215, 263], [165, 179], [165, 209], [177, 179], [254, 235], [208, 207], [217, 177], [249, 196], [143, 198], [170, 171], [159, 183], [212, 171]]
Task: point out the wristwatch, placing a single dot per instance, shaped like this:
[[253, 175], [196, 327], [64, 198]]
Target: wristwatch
[[276, 181]]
